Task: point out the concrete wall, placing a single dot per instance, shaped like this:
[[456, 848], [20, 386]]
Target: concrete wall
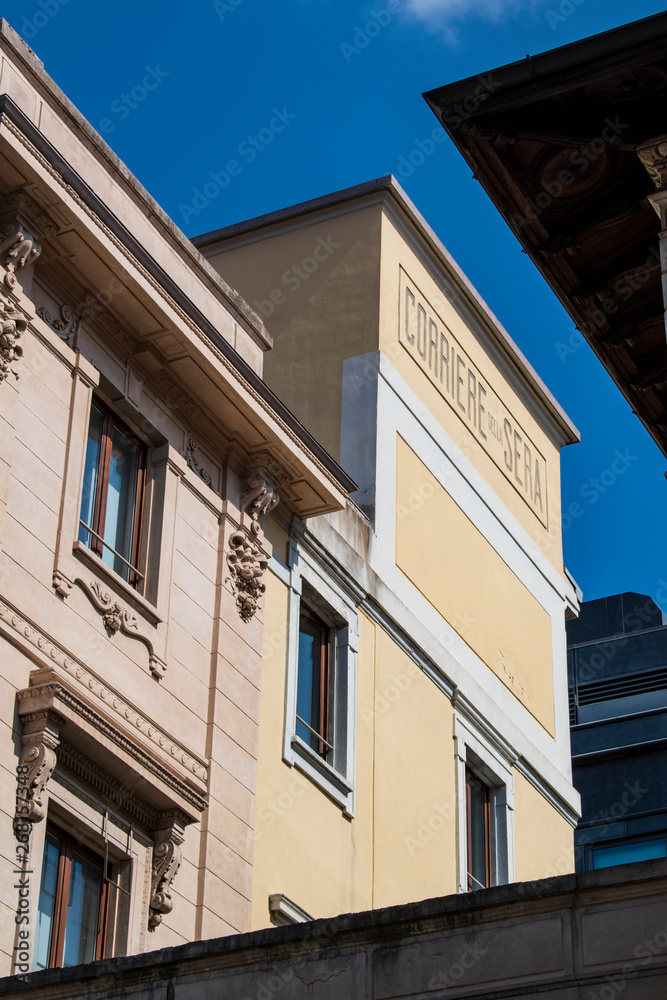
[[594, 936]]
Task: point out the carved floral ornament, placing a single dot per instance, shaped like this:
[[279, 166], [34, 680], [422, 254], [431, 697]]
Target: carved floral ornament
[[246, 559], [12, 326]]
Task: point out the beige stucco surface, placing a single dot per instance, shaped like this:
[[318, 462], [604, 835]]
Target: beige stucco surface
[[439, 291], [543, 841], [318, 319], [305, 847], [454, 566]]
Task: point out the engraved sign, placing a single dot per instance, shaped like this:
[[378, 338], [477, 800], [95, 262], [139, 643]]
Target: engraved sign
[[432, 345]]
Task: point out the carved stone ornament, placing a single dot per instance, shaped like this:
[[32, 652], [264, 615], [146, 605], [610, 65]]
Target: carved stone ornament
[[191, 447], [654, 157], [38, 760], [116, 618], [22, 223], [167, 857], [64, 324], [114, 615], [247, 564], [12, 325], [260, 490]]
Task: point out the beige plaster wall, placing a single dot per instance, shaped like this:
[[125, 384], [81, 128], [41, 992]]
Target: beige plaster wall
[[543, 840], [453, 565], [400, 845], [398, 254], [318, 320]]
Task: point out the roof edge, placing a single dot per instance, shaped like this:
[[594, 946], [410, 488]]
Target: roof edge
[[388, 187]]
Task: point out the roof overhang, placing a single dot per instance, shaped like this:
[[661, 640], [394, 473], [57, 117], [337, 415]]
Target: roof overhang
[[553, 139]]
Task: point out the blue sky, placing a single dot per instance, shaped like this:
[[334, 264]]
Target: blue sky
[[352, 108]]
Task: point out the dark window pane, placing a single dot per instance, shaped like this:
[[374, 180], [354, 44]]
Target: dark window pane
[[478, 836], [309, 683], [83, 904], [47, 902], [90, 475]]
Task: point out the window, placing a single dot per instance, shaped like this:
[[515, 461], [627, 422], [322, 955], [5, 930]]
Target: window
[[321, 670], [485, 795], [313, 689], [478, 829], [628, 852], [71, 912], [113, 487]]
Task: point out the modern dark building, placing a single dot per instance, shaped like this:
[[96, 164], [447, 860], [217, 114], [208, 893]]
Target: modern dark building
[[617, 665]]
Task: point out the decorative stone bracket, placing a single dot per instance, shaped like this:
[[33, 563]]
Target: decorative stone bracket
[[167, 857], [246, 559], [22, 224], [40, 741], [260, 490], [116, 617]]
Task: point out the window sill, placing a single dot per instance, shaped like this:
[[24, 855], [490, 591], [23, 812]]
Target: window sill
[[86, 555], [329, 780]]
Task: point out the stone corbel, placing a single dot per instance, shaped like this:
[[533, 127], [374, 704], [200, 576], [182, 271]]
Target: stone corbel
[[246, 559], [40, 740], [22, 224], [116, 617], [259, 495], [653, 156], [167, 857]]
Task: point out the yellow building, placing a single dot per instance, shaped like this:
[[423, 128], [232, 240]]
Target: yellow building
[[414, 732]]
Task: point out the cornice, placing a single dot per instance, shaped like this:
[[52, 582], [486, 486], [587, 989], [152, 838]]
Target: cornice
[[61, 171], [48, 653], [61, 697]]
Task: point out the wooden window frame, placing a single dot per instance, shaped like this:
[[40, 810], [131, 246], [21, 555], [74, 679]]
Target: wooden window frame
[[473, 779], [321, 707], [110, 422], [57, 943]]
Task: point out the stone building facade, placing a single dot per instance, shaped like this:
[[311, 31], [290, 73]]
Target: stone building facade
[[140, 454], [243, 686]]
